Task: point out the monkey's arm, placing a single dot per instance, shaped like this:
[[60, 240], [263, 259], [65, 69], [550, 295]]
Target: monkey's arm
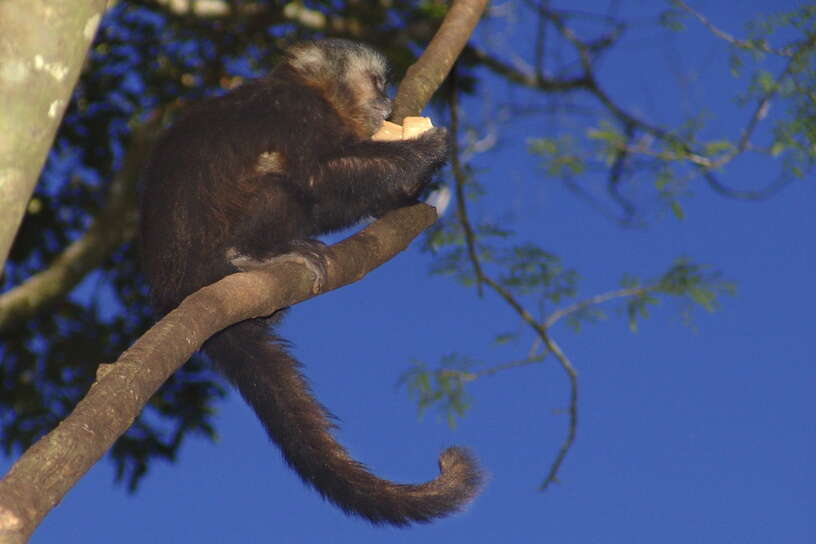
[[369, 178]]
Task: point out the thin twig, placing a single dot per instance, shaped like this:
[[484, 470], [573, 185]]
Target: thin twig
[[557, 315], [704, 164], [569, 440], [533, 356], [540, 42], [763, 104], [540, 330], [510, 365], [742, 44], [616, 172], [460, 177], [566, 365]]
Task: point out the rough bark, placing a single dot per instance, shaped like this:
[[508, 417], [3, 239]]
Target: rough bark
[[42, 46]]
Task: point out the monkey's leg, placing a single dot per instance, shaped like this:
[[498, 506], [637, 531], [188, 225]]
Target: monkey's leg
[[309, 253]]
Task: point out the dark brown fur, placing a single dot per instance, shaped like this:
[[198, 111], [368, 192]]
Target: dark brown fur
[[258, 173]]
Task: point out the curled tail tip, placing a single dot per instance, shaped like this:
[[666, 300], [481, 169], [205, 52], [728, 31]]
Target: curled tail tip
[[459, 482], [462, 475], [259, 366]]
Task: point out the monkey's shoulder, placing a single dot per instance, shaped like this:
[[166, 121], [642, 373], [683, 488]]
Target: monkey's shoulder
[[259, 116]]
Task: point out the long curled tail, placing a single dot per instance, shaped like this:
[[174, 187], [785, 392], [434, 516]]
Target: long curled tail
[[269, 380]]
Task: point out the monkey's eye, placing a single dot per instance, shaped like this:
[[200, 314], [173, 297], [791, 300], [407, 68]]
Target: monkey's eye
[[379, 82]]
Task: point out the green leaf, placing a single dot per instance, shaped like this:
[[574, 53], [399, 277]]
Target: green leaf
[[677, 210]]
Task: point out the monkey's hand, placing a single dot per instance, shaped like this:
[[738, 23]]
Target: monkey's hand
[[431, 151], [432, 145], [309, 253], [368, 178]]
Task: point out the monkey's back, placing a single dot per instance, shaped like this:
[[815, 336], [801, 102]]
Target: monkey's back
[[202, 181]]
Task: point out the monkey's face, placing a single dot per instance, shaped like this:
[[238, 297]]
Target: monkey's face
[[365, 78], [351, 76], [373, 101]]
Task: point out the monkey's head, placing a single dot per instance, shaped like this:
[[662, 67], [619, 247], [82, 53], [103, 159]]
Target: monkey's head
[[350, 76]]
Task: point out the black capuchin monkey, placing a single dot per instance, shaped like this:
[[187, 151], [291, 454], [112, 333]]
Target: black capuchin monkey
[[253, 176]]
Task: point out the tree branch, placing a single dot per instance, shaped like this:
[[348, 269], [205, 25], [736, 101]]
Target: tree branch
[[459, 174], [429, 71], [47, 470], [539, 329], [736, 42]]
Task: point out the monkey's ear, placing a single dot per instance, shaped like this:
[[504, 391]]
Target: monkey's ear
[[411, 128], [306, 57]]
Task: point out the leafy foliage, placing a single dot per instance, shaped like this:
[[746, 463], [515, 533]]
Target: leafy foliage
[[692, 283], [442, 387]]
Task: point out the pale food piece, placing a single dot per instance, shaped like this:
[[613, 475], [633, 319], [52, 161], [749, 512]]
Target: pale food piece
[[388, 131], [412, 127]]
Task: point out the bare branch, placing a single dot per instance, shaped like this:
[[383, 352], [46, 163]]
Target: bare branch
[[572, 427], [459, 176], [742, 44], [47, 470], [540, 330], [566, 366], [430, 70], [493, 370], [704, 164], [557, 315]]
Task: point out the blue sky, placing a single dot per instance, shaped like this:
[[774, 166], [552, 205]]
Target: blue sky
[[702, 434]]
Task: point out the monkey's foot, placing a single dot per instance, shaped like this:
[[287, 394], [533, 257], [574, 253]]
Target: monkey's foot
[[309, 253]]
